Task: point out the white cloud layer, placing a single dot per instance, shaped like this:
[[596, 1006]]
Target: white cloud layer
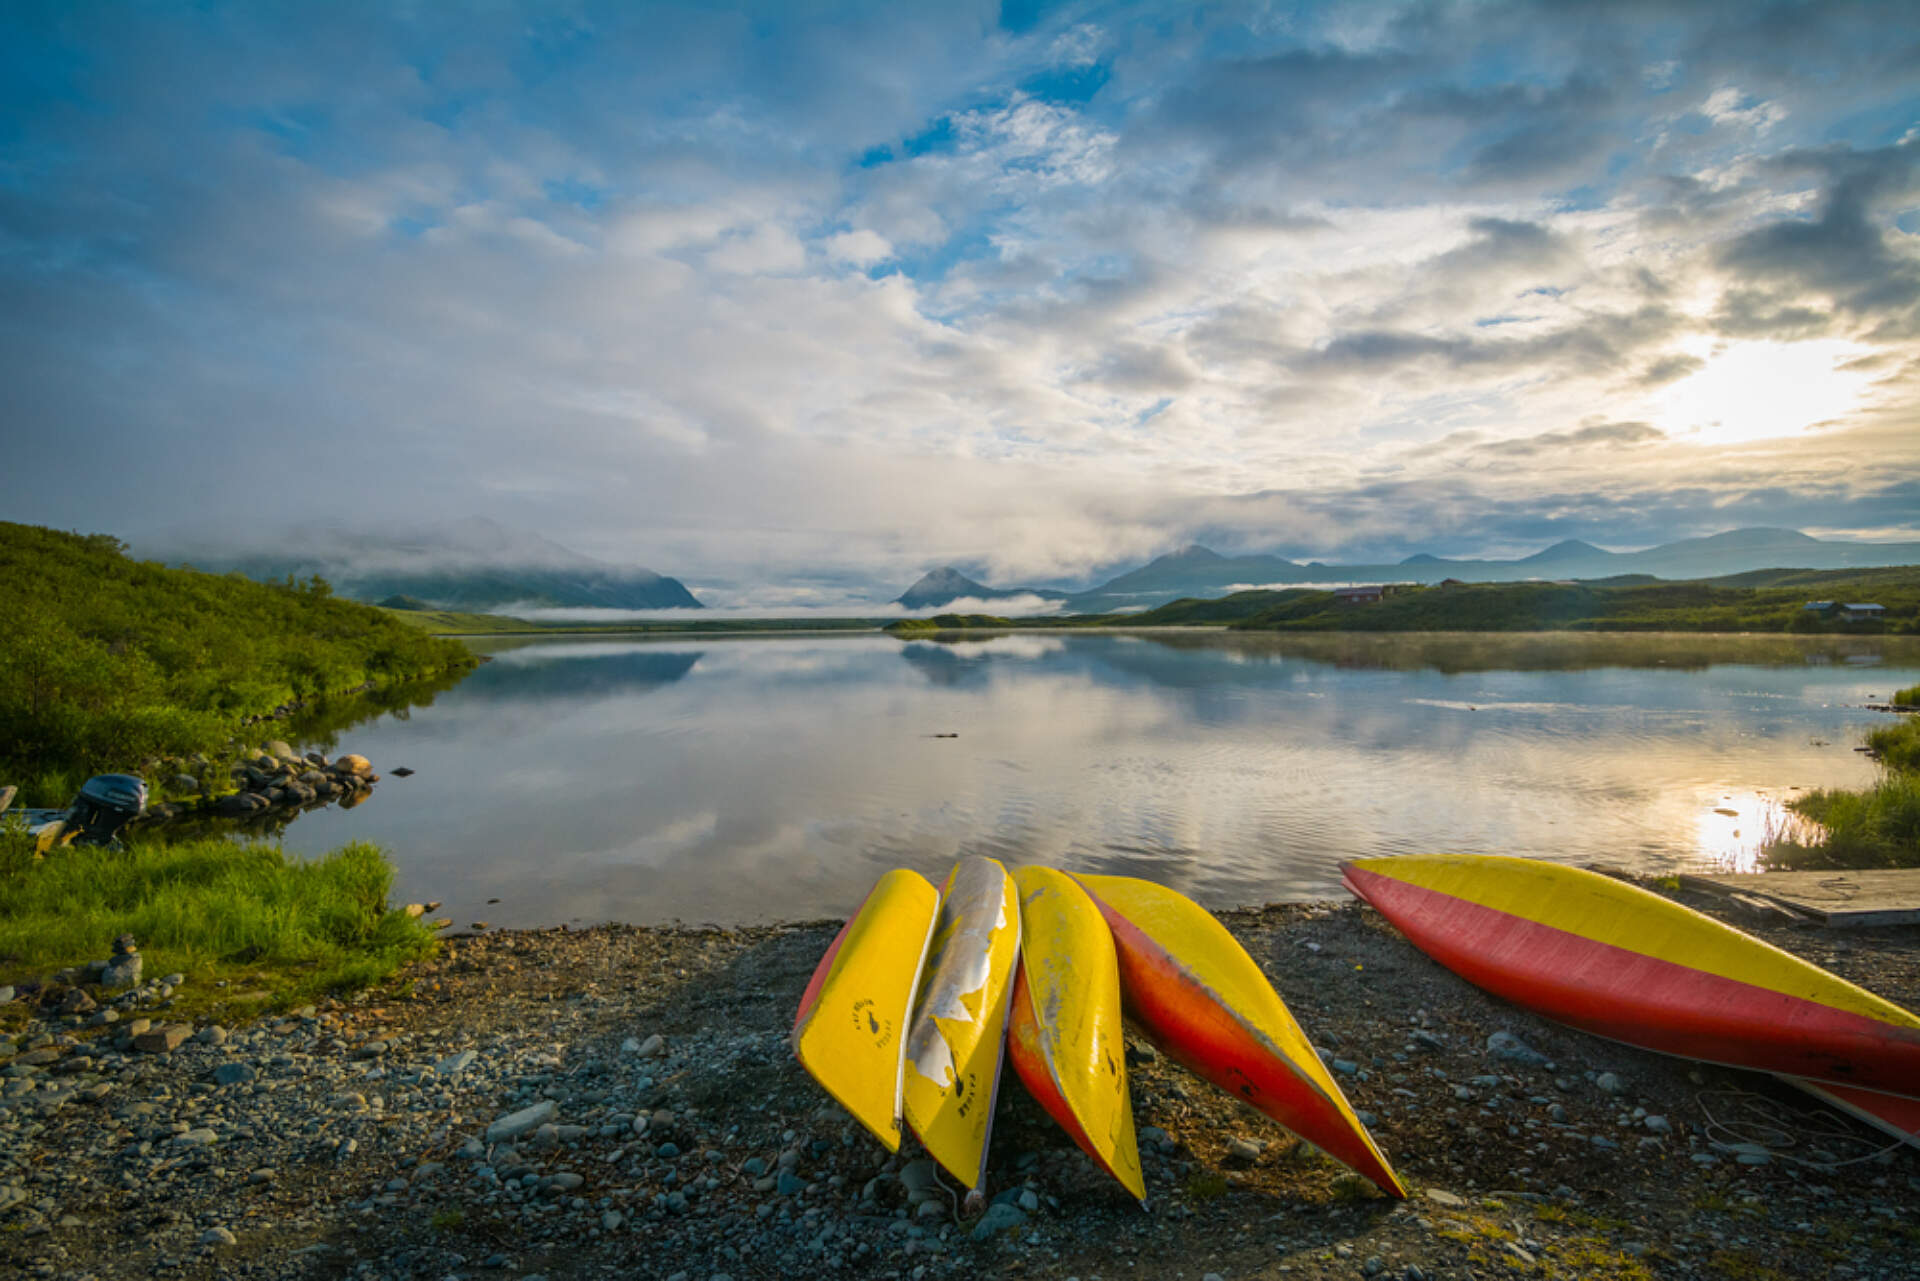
[[764, 300]]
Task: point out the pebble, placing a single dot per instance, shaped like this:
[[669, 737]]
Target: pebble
[[998, 1218], [1505, 1045], [526, 1120]]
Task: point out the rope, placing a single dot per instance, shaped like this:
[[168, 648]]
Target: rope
[[1756, 1121]]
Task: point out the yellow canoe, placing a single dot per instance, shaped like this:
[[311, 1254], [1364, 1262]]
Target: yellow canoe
[[850, 1032], [1064, 1035], [1191, 987], [957, 1039]]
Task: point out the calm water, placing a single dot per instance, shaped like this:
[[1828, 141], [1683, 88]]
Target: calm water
[[774, 778]]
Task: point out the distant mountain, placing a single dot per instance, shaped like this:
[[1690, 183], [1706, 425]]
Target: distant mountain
[[945, 585], [1187, 572], [1199, 572], [473, 565]]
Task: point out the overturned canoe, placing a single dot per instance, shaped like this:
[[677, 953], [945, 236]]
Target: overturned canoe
[[1065, 1035], [957, 1039], [1197, 994], [1625, 963], [851, 1031]]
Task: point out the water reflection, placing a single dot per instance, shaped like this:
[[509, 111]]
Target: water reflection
[[722, 779]]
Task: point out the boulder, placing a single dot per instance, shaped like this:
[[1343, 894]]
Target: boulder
[[183, 783], [353, 763]]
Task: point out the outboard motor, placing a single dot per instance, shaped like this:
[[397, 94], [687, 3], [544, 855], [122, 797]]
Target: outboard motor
[[105, 805]]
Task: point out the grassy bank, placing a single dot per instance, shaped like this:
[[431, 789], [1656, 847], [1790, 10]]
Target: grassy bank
[[106, 661], [1877, 827], [279, 930]]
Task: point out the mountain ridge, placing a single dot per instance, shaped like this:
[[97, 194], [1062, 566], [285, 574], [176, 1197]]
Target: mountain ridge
[[1197, 571]]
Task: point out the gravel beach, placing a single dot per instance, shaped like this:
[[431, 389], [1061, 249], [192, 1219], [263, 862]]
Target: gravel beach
[[621, 1101]]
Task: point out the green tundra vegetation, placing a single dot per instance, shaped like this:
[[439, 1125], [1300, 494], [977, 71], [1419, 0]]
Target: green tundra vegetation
[[1877, 827], [107, 661], [1763, 601], [279, 930], [1770, 600]]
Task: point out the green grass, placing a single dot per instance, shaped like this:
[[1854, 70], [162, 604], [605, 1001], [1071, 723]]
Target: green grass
[[1908, 697], [107, 662], [280, 929], [1877, 827]]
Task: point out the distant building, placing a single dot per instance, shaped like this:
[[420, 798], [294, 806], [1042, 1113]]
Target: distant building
[[1818, 606], [1358, 595], [1452, 582], [1855, 613]]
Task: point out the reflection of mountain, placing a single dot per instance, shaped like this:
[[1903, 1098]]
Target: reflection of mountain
[[564, 671], [1209, 661], [945, 666]]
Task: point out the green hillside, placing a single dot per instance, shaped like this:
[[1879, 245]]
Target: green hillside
[[106, 661], [1764, 601]]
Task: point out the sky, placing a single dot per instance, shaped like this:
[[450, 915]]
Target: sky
[[776, 296]]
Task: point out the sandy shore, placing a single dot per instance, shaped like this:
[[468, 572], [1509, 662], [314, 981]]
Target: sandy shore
[[621, 1102]]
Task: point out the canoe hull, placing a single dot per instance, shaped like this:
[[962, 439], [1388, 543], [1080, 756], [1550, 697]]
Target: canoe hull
[[1606, 957], [1190, 986], [1894, 1114], [850, 1031], [1066, 1038], [957, 1040]]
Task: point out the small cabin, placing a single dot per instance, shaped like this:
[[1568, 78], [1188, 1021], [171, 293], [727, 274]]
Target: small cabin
[[1858, 613], [1358, 595]]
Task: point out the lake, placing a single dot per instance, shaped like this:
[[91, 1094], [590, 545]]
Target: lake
[[721, 779]]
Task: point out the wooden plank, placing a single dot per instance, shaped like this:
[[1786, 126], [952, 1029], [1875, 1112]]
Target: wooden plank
[[1881, 896]]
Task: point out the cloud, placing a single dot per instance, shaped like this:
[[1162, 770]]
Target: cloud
[[809, 300]]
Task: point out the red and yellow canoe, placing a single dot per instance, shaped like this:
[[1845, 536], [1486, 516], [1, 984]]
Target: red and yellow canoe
[[851, 1030], [1191, 987], [1625, 963], [1065, 1035]]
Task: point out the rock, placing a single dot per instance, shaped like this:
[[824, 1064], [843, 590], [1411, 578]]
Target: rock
[[353, 764], [1608, 1083], [211, 1034], [281, 751], [164, 1039], [455, 1064], [232, 1074], [997, 1219], [525, 1121], [1246, 1151], [652, 1047], [1658, 1124], [918, 1177], [216, 1236], [1448, 1199], [78, 1002], [1505, 1045], [122, 971], [183, 783]]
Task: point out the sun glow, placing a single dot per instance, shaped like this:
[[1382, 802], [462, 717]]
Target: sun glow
[[1761, 390]]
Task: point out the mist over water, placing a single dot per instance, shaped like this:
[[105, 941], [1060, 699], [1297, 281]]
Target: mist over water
[[743, 779]]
